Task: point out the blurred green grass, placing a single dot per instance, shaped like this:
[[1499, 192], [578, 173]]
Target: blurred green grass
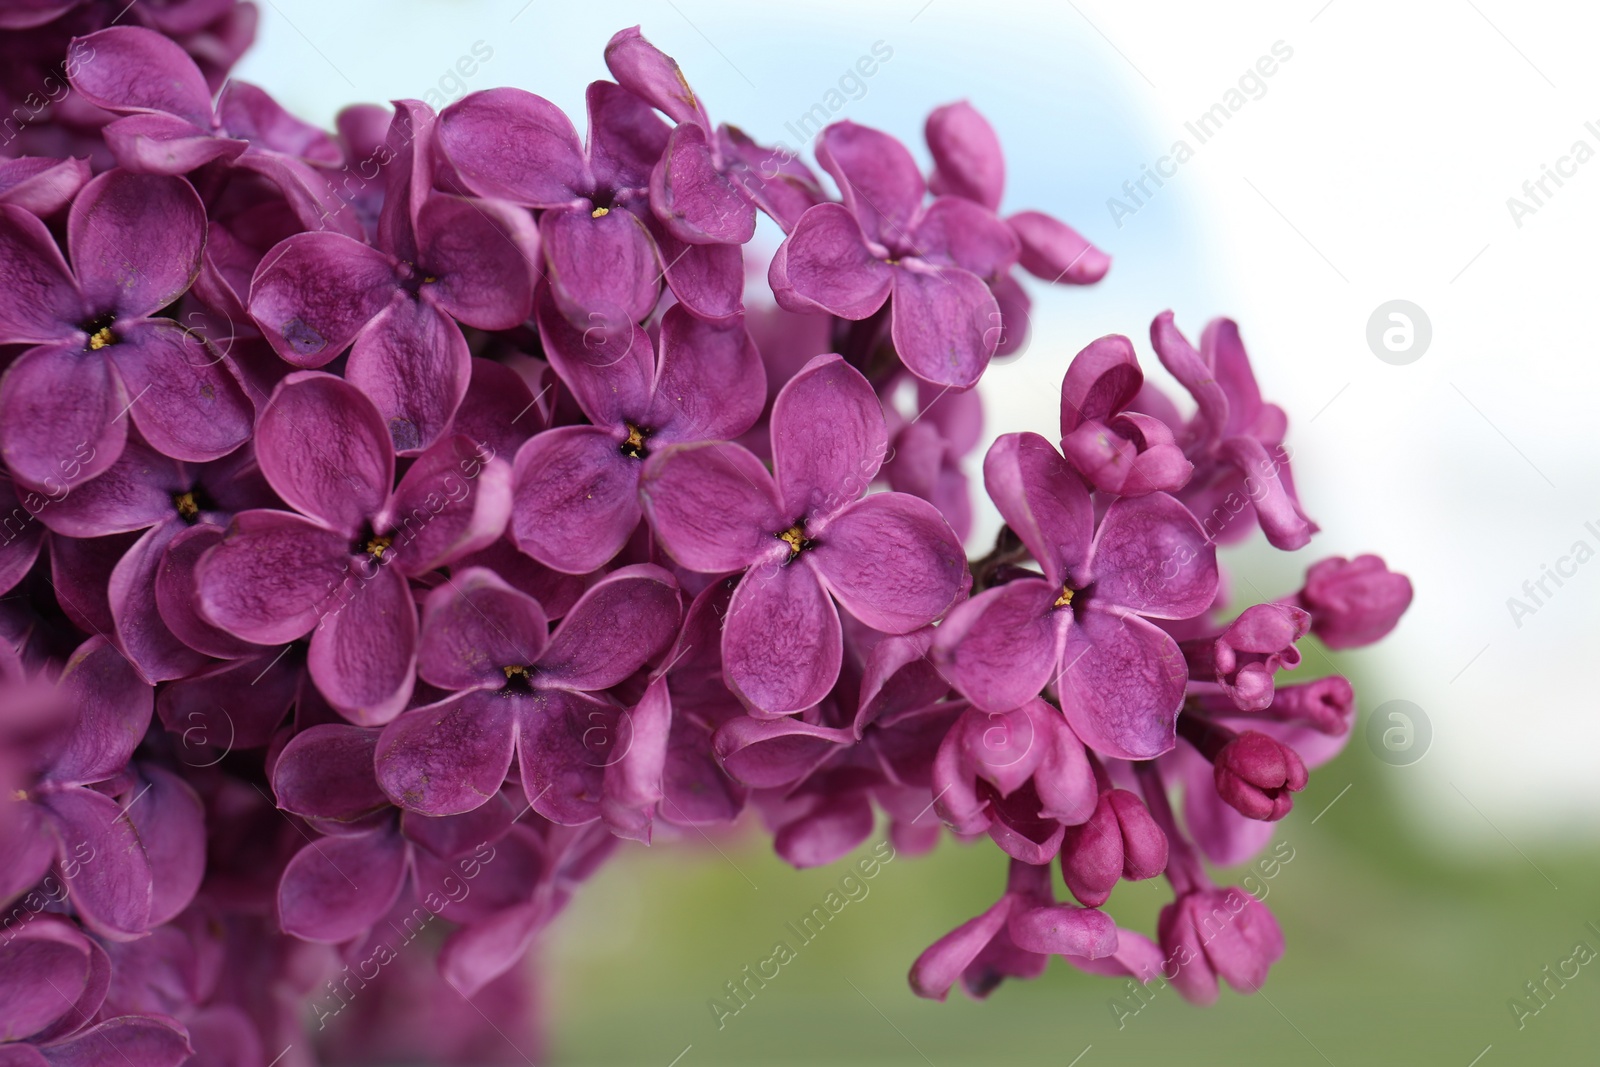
[[1398, 953]]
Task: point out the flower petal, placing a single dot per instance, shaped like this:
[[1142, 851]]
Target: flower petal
[[113, 707], [828, 437], [269, 579], [363, 655], [134, 494], [712, 384], [645, 70], [1000, 647], [414, 364], [337, 888], [825, 265], [325, 450], [450, 757], [59, 416], [326, 773], [141, 633], [134, 69], [509, 144], [313, 292], [967, 160], [946, 323], [781, 644], [565, 743], [176, 595], [957, 232], [608, 366], [877, 177], [452, 502], [1121, 685], [134, 1040], [706, 279], [171, 824], [1044, 502], [1056, 252], [891, 561], [602, 263], [691, 196], [484, 255], [39, 298], [1151, 557], [577, 498], [626, 619], [44, 967], [41, 185], [165, 144], [135, 241], [712, 505], [111, 887], [183, 395]]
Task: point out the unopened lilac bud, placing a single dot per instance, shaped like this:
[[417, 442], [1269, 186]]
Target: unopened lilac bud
[[1354, 602], [1120, 840], [1255, 775], [1144, 845]]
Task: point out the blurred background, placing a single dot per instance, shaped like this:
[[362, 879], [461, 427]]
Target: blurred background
[[1437, 153]]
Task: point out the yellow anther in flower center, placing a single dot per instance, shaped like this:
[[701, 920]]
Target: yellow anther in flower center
[[599, 212], [515, 672], [19, 795], [428, 279], [1065, 598], [186, 505], [633, 445], [377, 546], [101, 338], [795, 537]]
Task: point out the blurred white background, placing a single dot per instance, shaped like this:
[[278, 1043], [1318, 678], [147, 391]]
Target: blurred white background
[[1375, 165]]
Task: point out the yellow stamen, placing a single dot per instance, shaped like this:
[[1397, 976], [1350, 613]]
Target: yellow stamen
[[1065, 598], [599, 212], [186, 505], [377, 546], [514, 672], [795, 538], [19, 795], [101, 338]]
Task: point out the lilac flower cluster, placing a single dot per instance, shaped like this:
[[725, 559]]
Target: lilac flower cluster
[[397, 519]]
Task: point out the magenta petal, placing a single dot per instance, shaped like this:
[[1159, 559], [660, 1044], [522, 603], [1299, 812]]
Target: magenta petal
[[413, 362], [364, 653], [248, 112], [781, 644], [485, 256], [1000, 647], [825, 265], [1056, 252], [475, 955], [176, 595], [450, 757], [141, 633], [1045, 502], [767, 753], [337, 888], [957, 232], [39, 301], [1101, 380], [112, 885], [135, 69], [165, 144], [608, 365], [44, 968], [268, 580], [826, 833], [62, 416], [1064, 781], [692, 197], [183, 396], [576, 498], [114, 706], [473, 627], [623, 621], [877, 176], [706, 279], [1184, 363], [565, 743], [41, 185], [1121, 685], [313, 292], [134, 1040], [892, 561], [1269, 489], [325, 450], [966, 154], [234, 706], [603, 263], [712, 385], [171, 824], [452, 502], [23, 536], [541, 165], [645, 70], [633, 775], [134, 494], [946, 324], [626, 137], [135, 241], [325, 773], [828, 437], [1151, 556], [713, 506], [1063, 930], [941, 964]]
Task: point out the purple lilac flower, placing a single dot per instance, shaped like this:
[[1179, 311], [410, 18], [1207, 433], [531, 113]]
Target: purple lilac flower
[[577, 487], [1083, 626], [1353, 602], [804, 536], [1116, 450], [100, 353], [339, 563], [883, 245]]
